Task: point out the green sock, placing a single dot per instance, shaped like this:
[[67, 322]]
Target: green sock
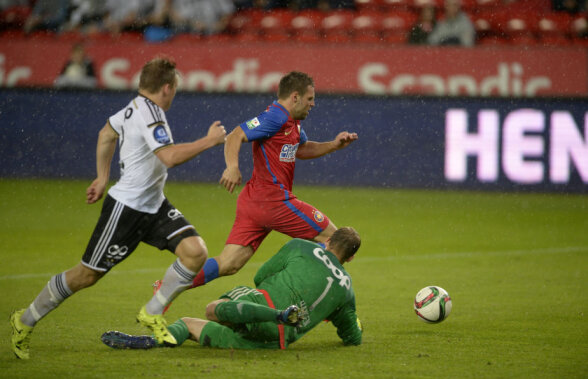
[[239, 312], [180, 331]]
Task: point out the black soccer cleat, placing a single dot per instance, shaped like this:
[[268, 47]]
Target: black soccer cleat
[[290, 316], [119, 340]]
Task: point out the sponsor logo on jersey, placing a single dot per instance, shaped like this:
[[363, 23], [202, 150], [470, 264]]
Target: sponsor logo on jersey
[[253, 123], [160, 135], [288, 153], [318, 216]]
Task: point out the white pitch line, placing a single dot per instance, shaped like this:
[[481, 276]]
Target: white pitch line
[[360, 259]]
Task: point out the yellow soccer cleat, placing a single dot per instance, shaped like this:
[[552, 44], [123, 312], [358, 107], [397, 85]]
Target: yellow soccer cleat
[[21, 335], [157, 325]]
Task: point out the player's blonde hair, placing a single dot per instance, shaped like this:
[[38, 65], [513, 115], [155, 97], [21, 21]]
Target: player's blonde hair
[[158, 72], [294, 81], [345, 241]]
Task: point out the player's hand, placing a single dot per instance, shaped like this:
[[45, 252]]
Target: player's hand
[[217, 133], [95, 191], [343, 139], [231, 178]]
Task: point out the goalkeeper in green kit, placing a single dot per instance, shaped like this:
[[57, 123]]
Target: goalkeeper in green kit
[[300, 286]]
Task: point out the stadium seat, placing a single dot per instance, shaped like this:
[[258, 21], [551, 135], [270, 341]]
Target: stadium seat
[[579, 30], [552, 29], [245, 25], [518, 31], [336, 26], [484, 24], [275, 25], [395, 26], [14, 17], [516, 27], [488, 28], [366, 27], [305, 26]]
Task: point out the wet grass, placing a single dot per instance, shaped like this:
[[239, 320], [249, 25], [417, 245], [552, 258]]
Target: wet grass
[[514, 264]]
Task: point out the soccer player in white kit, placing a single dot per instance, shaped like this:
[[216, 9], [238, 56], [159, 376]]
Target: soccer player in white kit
[[135, 208]]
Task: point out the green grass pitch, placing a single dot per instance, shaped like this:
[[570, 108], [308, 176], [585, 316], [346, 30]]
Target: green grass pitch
[[515, 266]]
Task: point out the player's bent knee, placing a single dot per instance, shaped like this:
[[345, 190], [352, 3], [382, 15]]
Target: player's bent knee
[[210, 310], [192, 252]]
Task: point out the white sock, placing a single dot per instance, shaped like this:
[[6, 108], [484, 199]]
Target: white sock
[[176, 280], [53, 294]]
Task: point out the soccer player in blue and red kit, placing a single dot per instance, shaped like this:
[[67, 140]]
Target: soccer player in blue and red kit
[[266, 202]]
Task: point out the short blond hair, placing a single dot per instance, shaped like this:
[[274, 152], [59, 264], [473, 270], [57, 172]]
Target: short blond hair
[[158, 72]]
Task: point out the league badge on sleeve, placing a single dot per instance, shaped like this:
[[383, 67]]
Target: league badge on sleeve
[[253, 123], [160, 135]]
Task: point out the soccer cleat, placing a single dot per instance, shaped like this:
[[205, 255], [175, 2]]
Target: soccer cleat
[[157, 324], [156, 286], [118, 340], [290, 316], [21, 335]]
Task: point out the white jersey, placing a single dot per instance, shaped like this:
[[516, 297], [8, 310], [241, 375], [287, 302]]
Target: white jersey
[[142, 128]]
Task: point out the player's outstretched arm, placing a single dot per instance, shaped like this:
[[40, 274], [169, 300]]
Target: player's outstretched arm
[[105, 148], [312, 149], [231, 177], [175, 155], [348, 326]]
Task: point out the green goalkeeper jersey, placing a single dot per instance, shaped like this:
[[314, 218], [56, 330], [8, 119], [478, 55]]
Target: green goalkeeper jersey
[[307, 275]]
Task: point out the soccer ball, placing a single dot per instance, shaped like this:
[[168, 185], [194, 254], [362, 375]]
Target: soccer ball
[[432, 304]]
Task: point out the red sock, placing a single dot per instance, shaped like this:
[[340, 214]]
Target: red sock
[[198, 280]]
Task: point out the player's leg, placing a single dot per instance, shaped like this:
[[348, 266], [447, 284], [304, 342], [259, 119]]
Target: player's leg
[[102, 253], [232, 258], [298, 219], [245, 237], [205, 332], [59, 288], [170, 230], [241, 312], [212, 334], [192, 254]]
